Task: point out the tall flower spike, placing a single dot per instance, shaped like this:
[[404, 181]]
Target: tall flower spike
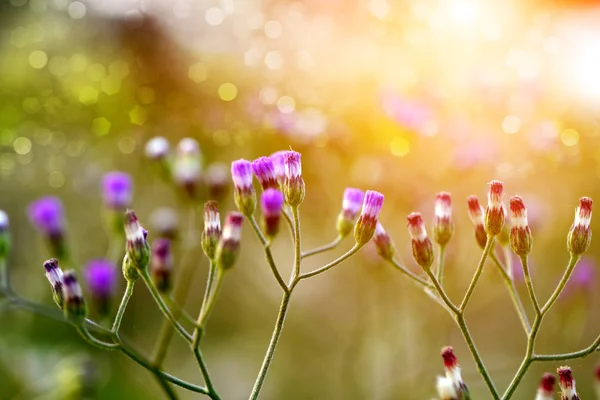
[[546, 388], [453, 372], [383, 243], [443, 228], [74, 306], [580, 234], [54, 274], [264, 170], [279, 166], [293, 184], [161, 264], [476, 216], [212, 229], [494, 213], [520, 234], [229, 244], [244, 194], [217, 181], [421, 245], [445, 389], [567, 384], [157, 148], [367, 221], [4, 235], [138, 250], [271, 203], [187, 167], [116, 190], [351, 203], [101, 279]]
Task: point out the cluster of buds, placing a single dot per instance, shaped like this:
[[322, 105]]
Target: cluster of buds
[[212, 229], [47, 215], [567, 384], [137, 257], [101, 279], [161, 264], [351, 204], [383, 243], [546, 389], [494, 212], [476, 216], [580, 234], [243, 191], [443, 228], [367, 221], [453, 373], [520, 234], [66, 291], [229, 244], [4, 235], [422, 247]]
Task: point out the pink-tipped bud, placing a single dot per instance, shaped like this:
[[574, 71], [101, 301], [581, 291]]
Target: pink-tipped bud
[[244, 194], [421, 245], [445, 389], [367, 221], [520, 234], [229, 244], [137, 248], [546, 388], [453, 372], [264, 170], [580, 235], [443, 228], [567, 384], [212, 229], [494, 213], [293, 184], [161, 266], [383, 243], [351, 203], [278, 159], [476, 216]]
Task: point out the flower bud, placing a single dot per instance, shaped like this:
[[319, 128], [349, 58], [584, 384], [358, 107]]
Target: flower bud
[[212, 229], [520, 234], [445, 389], [278, 159], [264, 170], [443, 228], [217, 181], [137, 247], [75, 307], [367, 221], [4, 235], [351, 203], [161, 265], [421, 245], [101, 278], [165, 222], [271, 203], [116, 190], [229, 244], [46, 214], [383, 243], [567, 384], [580, 235], [244, 194], [453, 372], [54, 274], [187, 166], [476, 215], [293, 184], [494, 213], [546, 388], [157, 148]]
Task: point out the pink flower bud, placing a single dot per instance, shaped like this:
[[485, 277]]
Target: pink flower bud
[[546, 388], [229, 243], [351, 203], [476, 215], [453, 372], [54, 274], [494, 213], [421, 245], [567, 384], [580, 235], [244, 194], [293, 184], [367, 221], [383, 243], [264, 170], [212, 229], [520, 234], [443, 228]]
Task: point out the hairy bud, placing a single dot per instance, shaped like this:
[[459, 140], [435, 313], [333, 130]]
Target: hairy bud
[[546, 388], [567, 384], [383, 243], [421, 245], [54, 274], [520, 234], [580, 234], [476, 216], [74, 303], [351, 203], [229, 244], [293, 184], [212, 229], [443, 228], [494, 213], [367, 221], [244, 194]]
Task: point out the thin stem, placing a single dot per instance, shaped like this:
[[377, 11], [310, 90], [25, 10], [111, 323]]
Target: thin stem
[[569, 356], [442, 292], [440, 265], [4, 279], [272, 345], [268, 253], [210, 280], [212, 300], [529, 284], [322, 249], [561, 285], [165, 385], [512, 291], [332, 264], [488, 247], [410, 274], [122, 307], [96, 342], [297, 242], [204, 369]]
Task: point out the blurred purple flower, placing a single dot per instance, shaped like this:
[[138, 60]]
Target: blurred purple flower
[[46, 214], [116, 190], [410, 113], [583, 278], [101, 278]]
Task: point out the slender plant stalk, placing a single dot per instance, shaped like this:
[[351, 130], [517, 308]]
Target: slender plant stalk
[[569, 356], [529, 284], [210, 280], [212, 393], [440, 265], [268, 253], [442, 293], [122, 307], [410, 274], [488, 247], [512, 291], [4, 279], [96, 342], [332, 264], [322, 249], [212, 300], [297, 243], [289, 221]]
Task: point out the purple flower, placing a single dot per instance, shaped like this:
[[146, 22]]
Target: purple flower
[[101, 278], [372, 204], [293, 164], [46, 214], [116, 190], [241, 173], [271, 202], [265, 172], [367, 221], [351, 202], [229, 243], [293, 184], [279, 165]]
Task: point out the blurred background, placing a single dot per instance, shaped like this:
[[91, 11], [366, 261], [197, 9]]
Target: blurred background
[[402, 96]]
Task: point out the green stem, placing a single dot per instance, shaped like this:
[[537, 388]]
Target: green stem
[[561, 285], [442, 292], [211, 302], [122, 307], [488, 247], [409, 273], [569, 356], [440, 266], [297, 242], [332, 264], [4, 279], [268, 253], [285, 301], [512, 291], [529, 284], [209, 285], [322, 249], [96, 342], [203, 368]]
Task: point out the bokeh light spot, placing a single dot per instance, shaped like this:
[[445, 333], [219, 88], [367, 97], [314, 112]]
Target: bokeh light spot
[[138, 115], [399, 147], [274, 60], [511, 124], [268, 95], [77, 10], [286, 105], [227, 91], [569, 137], [111, 85], [22, 145], [127, 145], [273, 29], [145, 95], [88, 95], [198, 72], [214, 16], [96, 72], [119, 68], [38, 59], [56, 179], [78, 63], [58, 66], [100, 126]]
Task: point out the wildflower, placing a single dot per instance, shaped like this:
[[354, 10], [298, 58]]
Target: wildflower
[[580, 234], [101, 279], [138, 250], [244, 194], [46, 214], [383, 243], [520, 234], [229, 244], [494, 213], [293, 184], [187, 167], [217, 181], [161, 264], [453, 372], [367, 221], [4, 235], [476, 215], [165, 222], [567, 384], [264, 170], [421, 245], [271, 203], [157, 148], [351, 203], [279, 166], [443, 228], [212, 229], [546, 388], [74, 303], [54, 274], [116, 190], [445, 389]]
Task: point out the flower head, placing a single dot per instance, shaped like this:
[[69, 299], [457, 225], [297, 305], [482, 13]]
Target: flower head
[[293, 184], [367, 221], [74, 303], [101, 278], [138, 250], [476, 216], [157, 148], [383, 243], [546, 388], [443, 228], [520, 234], [264, 170], [244, 194], [54, 274], [229, 244], [278, 159], [161, 265], [46, 214], [567, 384], [217, 181], [351, 204], [494, 213], [116, 190], [421, 245], [580, 234], [271, 203], [212, 229]]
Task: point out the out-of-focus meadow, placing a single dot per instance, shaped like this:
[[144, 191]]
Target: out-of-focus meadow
[[405, 97]]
